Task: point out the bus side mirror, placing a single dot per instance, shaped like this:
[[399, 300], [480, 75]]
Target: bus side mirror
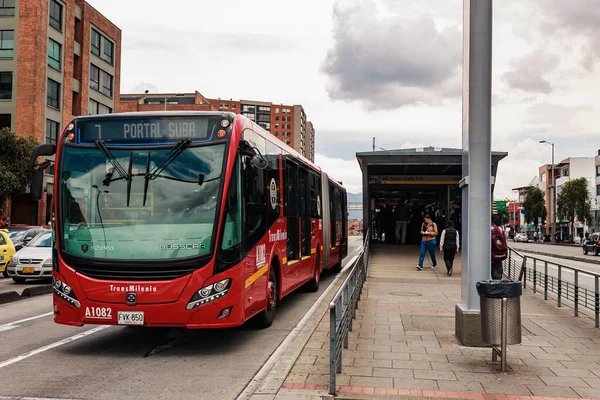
[[37, 169], [259, 162]]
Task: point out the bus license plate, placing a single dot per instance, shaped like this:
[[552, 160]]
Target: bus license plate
[[130, 317]]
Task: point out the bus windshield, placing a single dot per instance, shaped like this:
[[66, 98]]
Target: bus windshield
[[139, 203]]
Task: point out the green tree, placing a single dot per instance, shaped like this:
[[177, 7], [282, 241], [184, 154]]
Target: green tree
[[501, 218], [534, 205], [574, 201], [14, 163]]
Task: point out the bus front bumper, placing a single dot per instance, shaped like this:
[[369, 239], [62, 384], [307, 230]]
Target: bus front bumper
[[222, 313]]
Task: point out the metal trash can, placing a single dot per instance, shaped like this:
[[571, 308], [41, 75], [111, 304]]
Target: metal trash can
[[491, 295]]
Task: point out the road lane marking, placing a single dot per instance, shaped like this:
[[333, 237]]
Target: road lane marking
[[15, 324], [51, 346]]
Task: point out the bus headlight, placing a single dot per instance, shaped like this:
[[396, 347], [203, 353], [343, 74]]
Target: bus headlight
[[209, 293], [65, 292]]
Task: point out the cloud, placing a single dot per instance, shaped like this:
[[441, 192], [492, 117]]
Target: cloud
[[574, 21], [528, 73], [143, 86], [347, 171], [390, 61]]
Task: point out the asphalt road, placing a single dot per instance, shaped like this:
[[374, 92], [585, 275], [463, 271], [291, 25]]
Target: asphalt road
[[8, 285], [586, 277], [39, 358], [563, 250]]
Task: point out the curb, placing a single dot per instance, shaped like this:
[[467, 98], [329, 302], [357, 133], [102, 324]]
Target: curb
[[572, 258], [270, 378], [12, 296]]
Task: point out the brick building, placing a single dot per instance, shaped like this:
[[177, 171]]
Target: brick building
[[58, 59], [288, 123]]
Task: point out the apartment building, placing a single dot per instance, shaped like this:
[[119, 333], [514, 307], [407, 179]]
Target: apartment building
[[570, 168], [287, 123], [58, 59]]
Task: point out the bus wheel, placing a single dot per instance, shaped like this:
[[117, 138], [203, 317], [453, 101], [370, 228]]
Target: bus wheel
[[313, 284], [266, 316]]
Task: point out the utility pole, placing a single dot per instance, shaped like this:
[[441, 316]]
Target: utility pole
[[373, 143], [552, 198]]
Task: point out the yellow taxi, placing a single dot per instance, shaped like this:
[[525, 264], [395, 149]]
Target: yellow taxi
[[7, 250]]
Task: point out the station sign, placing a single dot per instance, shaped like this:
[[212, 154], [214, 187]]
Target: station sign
[[414, 179]]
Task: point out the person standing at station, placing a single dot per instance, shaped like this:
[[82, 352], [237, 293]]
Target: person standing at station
[[429, 231], [449, 246], [402, 215], [499, 249]]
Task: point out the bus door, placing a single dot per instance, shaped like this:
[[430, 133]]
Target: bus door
[[292, 211], [305, 231]]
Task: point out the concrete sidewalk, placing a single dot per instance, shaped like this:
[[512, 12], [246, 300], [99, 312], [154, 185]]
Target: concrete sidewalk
[[403, 344]]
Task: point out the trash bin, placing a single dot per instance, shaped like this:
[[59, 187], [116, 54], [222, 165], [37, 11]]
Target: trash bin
[[491, 295]]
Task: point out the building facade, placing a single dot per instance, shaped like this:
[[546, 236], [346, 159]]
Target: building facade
[[58, 59], [287, 123], [564, 171]]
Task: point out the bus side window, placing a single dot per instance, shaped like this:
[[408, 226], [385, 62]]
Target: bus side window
[[232, 231]]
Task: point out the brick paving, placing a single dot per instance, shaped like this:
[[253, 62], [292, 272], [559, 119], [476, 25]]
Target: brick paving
[[403, 344]]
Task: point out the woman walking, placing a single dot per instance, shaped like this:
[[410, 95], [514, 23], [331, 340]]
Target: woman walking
[[429, 232], [449, 245]]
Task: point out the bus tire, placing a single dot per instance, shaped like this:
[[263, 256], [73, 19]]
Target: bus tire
[[266, 316], [313, 284]]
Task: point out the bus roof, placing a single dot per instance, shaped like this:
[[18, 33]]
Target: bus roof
[[246, 122]]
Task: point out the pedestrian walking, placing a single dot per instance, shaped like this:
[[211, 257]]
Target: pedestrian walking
[[449, 246], [429, 231]]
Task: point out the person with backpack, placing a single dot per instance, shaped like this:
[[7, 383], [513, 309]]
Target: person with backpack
[[499, 251], [449, 245], [429, 232]]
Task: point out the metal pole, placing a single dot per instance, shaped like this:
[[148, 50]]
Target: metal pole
[[332, 350], [165, 103], [373, 143], [504, 332], [477, 148], [553, 239]]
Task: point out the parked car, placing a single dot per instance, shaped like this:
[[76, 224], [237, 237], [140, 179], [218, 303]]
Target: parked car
[[592, 244], [521, 237], [7, 250], [33, 261], [22, 237]]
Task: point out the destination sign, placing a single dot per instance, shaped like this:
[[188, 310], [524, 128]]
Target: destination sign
[[139, 130]]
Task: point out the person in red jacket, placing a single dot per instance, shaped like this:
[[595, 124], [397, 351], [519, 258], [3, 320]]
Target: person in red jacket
[[499, 250]]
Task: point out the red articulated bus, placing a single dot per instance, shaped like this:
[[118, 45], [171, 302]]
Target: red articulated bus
[[184, 219]]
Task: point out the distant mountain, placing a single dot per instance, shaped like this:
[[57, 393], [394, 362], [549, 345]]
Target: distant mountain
[[355, 197]]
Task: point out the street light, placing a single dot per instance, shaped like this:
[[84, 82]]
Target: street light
[[553, 199]]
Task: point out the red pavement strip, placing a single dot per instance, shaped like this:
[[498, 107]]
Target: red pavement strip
[[412, 310], [424, 393]]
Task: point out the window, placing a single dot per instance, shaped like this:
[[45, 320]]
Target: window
[[94, 77], [597, 170], [53, 94], [565, 171], [52, 128], [315, 195], [2, 241], [5, 120], [6, 44], [6, 85], [56, 15], [254, 191], [54, 54], [97, 108], [277, 110], [264, 109], [597, 190], [95, 39], [224, 105], [231, 239], [108, 50], [233, 106], [7, 8], [107, 84], [277, 118]]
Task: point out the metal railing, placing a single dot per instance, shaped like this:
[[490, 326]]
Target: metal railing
[[342, 310], [579, 287]]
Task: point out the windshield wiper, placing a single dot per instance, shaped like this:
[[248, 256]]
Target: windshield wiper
[[115, 163], [146, 178], [129, 177], [171, 156]]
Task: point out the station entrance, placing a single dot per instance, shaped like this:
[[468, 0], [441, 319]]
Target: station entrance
[[404, 185]]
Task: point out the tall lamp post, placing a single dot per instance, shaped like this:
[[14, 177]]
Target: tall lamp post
[[553, 200]]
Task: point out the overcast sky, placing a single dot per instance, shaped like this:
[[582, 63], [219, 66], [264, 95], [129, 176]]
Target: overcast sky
[[384, 68]]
